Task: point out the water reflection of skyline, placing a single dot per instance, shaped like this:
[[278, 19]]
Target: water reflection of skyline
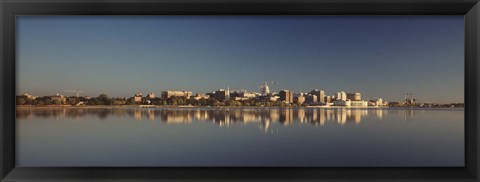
[[221, 116]]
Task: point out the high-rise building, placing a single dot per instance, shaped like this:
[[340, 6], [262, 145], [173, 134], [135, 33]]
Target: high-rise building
[[311, 98], [221, 95], [341, 96], [328, 99], [300, 99], [286, 95], [320, 95], [354, 96]]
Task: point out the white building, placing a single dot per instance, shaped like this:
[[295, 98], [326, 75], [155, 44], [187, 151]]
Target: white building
[[360, 103], [341, 96], [349, 103], [379, 102]]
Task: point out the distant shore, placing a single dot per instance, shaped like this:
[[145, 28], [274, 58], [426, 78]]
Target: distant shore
[[249, 107]]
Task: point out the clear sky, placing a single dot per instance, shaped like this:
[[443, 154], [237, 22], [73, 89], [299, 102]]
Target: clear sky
[[379, 56]]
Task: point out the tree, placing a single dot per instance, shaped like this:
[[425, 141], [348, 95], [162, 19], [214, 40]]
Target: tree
[[21, 101], [73, 100], [104, 99]]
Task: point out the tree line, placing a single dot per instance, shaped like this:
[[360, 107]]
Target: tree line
[[104, 99]]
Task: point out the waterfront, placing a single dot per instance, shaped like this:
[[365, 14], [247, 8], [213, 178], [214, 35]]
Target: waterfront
[[239, 137]]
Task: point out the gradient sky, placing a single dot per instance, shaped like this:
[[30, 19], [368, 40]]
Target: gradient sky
[[379, 56]]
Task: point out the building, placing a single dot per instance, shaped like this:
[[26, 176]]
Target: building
[[167, 94], [273, 98], [320, 95], [221, 95], [341, 96], [286, 96], [378, 102], [28, 96], [242, 95], [328, 99], [311, 98], [359, 103], [342, 103], [200, 96], [300, 99], [354, 96], [240, 98], [246, 94], [137, 97], [211, 94], [349, 103], [265, 90], [150, 96]]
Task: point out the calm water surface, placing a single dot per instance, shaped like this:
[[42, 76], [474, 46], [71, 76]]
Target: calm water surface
[[239, 137]]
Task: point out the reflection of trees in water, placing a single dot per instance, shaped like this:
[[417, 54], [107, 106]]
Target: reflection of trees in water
[[220, 116]]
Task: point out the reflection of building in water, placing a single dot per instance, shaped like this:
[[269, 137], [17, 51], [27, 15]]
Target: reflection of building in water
[[357, 115], [177, 116], [249, 116], [314, 116], [137, 114], [286, 116], [151, 115], [409, 114], [201, 115], [301, 115], [264, 118], [341, 116], [379, 113], [321, 117]]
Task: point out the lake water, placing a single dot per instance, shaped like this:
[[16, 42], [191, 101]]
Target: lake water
[[239, 137]]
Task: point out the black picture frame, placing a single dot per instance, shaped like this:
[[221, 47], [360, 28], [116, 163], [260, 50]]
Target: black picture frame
[[9, 9]]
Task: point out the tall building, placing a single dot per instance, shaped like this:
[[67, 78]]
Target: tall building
[[320, 95], [354, 96], [167, 94], [311, 98], [300, 99], [328, 99], [221, 95], [341, 96], [286, 95]]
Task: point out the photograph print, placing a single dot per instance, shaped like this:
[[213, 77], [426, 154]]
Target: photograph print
[[240, 91]]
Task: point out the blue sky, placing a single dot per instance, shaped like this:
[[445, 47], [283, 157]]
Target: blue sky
[[379, 56]]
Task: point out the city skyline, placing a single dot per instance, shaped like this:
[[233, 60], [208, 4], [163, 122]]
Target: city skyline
[[383, 57]]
